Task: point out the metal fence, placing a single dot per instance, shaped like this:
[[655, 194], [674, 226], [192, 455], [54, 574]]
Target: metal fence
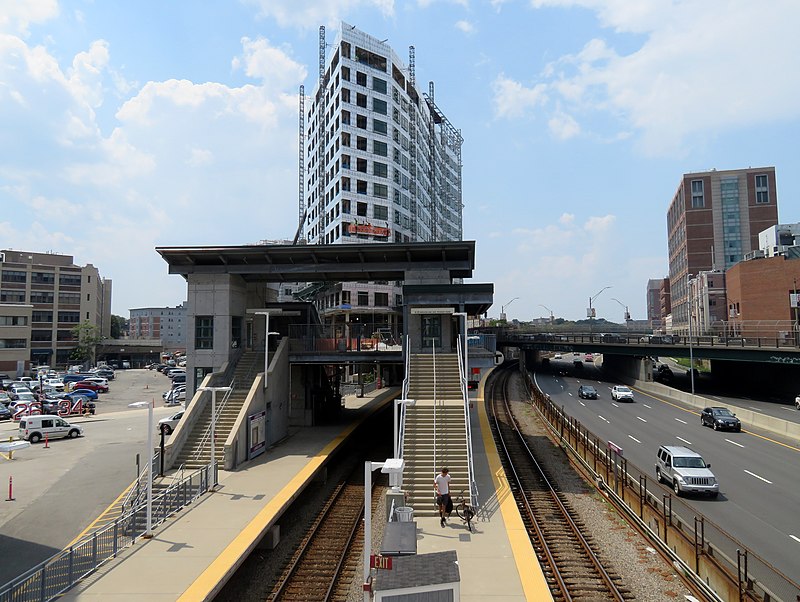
[[60, 572], [715, 557]]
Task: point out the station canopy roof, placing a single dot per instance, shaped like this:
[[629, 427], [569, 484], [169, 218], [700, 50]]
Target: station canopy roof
[[332, 263]]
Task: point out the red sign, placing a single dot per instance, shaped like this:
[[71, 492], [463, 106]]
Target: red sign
[[376, 561], [368, 229]]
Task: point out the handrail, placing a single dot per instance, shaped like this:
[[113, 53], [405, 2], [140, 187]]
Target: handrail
[[138, 488], [473, 485], [207, 433], [407, 368], [401, 434], [435, 403]]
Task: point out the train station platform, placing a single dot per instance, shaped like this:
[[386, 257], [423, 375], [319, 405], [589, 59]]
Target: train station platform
[[192, 555]]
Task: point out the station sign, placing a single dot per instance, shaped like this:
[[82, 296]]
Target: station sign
[[377, 561]]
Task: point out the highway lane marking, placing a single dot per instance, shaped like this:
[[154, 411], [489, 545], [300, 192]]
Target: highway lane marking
[[580, 402], [570, 394], [602, 418], [752, 474], [615, 405], [688, 411], [682, 421], [797, 539], [635, 439], [684, 440], [734, 443], [787, 408], [647, 406], [640, 418]]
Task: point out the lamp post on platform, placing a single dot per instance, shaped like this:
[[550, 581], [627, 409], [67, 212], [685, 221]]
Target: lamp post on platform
[[148, 531], [267, 333]]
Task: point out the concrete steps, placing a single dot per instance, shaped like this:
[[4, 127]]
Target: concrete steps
[[196, 451]]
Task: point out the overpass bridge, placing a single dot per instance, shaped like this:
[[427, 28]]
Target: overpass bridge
[[747, 361]]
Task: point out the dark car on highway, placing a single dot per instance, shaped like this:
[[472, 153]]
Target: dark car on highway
[[720, 419], [587, 392]]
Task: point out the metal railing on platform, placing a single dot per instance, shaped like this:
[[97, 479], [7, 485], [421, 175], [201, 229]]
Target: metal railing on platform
[[61, 571]]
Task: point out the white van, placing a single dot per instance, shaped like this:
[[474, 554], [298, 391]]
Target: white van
[[35, 428]]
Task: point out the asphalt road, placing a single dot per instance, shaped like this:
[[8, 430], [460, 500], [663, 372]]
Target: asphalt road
[[759, 489], [60, 490]]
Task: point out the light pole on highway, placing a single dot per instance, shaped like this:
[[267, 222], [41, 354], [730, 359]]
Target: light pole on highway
[[548, 309], [148, 532], [627, 314], [503, 308], [590, 311]]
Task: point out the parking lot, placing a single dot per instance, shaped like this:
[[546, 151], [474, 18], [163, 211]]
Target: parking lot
[[60, 489]]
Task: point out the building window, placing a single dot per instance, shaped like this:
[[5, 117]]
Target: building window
[[14, 276], [12, 297], [361, 209], [380, 148], [41, 336], [697, 194], [379, 106], [379, 85], [380, 191], [345, 95], [363, 298], [382, 299], [380, 212], [15, 320], [13, 343], [361, 143], [69, 280], [762, 189], [42, 316], [361, 187], [69, 317], [361, 100], [361, 122], [204, 332], [379, 126], [361, 165], [345, 297], [41, 297], [43, 278], [346, 70], [69, 298], [361, 78], [380, 169]]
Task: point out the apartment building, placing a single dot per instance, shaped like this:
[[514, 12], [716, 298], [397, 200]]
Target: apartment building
[[167, 324], [654, 302], [380, 162], [61, 295], [713, 221], [15, 336], [709, 302]]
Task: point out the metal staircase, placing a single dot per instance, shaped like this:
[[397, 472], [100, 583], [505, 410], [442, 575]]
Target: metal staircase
[[196, 451], [434, 433]]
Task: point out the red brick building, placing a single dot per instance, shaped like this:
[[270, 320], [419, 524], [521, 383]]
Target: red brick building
[[759, 295]]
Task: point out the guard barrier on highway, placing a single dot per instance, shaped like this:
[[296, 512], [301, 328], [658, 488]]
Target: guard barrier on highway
[[64, 569], [714, 558]]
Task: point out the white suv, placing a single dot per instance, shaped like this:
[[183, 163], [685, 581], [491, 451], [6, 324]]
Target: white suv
[[621, 393], [685, 470]]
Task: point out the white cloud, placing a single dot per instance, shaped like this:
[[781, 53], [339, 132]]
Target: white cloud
[[310, 14], [512, 99], [465, 26], [563, 126], [566, 219], [661, 90], [17, 15], [273, 65], [200, 156]]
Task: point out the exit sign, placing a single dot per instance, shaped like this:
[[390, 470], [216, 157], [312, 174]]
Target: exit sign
[[376, 561]]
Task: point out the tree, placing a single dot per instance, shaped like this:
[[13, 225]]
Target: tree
[[117, 326], [88, 337]]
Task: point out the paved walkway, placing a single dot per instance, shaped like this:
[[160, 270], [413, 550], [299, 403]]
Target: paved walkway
[[190, 555]]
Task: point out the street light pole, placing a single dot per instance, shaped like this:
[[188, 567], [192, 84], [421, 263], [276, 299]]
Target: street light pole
[[213, 425], [590, 311], [627, 315], [548, 309], [148, 532], [503, 307], [689, 307], [267, 334]]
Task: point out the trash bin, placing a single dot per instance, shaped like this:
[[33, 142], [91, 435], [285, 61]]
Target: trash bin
[[405, 514]]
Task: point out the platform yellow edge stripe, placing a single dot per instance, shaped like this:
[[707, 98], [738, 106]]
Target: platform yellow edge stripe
[[534, 585], [210, 581]]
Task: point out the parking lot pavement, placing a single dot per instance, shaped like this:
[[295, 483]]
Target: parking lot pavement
[[62, 488]]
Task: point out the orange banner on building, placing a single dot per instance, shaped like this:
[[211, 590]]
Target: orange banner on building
[[368, 229]]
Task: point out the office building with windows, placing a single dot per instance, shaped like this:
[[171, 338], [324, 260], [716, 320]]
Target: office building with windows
[[379, 163], [167, 324], [62, 295], [713, 221]]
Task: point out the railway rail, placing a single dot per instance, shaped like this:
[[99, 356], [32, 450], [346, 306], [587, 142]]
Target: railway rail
[[326, 562], [572, 566]]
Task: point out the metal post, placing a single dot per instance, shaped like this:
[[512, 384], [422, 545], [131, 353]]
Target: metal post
[[214, 424], [149, 531], [691, 354], [161, 471]]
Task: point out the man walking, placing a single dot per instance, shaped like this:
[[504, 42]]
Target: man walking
[[441, 485]]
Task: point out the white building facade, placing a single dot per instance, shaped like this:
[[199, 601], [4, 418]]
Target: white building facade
[[379, 162], [165, 323]]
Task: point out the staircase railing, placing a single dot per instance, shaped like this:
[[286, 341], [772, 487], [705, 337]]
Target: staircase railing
[[138, 491], [473, 485], [407, 368], [435, 404], [207, 433], [401, 434]]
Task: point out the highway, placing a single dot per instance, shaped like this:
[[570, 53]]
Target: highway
[[758, 474]]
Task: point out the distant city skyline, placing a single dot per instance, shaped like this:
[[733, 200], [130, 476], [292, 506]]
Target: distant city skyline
[[578, 118]]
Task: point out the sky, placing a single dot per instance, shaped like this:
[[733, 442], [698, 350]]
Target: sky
[[126, 126]]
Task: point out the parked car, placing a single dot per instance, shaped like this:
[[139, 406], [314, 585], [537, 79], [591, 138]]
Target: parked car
[[107, 373], [178, 379], [5, 413], [663, 373], [169, 424], [35, 428], [91, 385], [685, 470], [621, 393], [96, 379], [720, 419], [587, 392], [87, 393]]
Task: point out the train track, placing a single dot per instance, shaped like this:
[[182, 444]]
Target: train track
[[327, 560], [571, 565]]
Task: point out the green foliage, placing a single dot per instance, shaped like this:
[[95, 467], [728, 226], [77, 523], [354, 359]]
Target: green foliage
[[88, 337], [117, 326]]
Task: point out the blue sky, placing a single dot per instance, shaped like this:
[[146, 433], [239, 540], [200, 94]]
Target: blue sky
[[130, 125]]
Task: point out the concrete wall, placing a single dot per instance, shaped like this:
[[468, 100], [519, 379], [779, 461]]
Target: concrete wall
[[629, 368]]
